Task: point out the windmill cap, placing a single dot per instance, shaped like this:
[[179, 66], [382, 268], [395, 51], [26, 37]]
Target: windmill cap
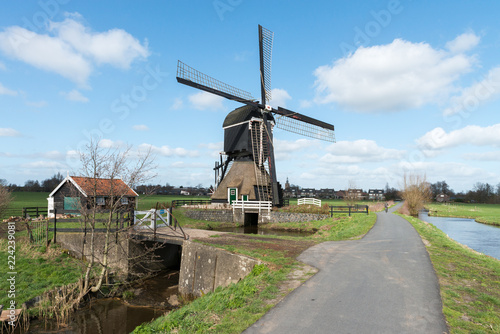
[[243, 114]]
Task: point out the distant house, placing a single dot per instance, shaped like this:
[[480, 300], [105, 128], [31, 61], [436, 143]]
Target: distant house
[[326, 193], [442, 198], [355, 193], [376, 194], [307, 192], [76, 192]]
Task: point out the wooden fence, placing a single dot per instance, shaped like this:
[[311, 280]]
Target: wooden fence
[[34, 211], [349, 209], [180, 202], [310, 201]]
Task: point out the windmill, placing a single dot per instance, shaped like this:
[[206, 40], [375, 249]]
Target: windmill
[[249, 166]]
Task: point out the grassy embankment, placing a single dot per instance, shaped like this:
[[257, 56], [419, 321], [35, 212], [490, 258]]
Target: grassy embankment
[[38, 269], [482, 213], [469, 282]]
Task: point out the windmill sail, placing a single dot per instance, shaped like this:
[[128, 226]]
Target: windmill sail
[[194, 78], [304, 125], [266, 51]]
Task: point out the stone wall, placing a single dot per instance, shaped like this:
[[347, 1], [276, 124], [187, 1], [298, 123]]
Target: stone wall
[[204, 268], [276, 217], [225, 216], [126, 256]]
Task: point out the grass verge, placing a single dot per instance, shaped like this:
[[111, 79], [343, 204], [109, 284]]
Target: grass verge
[[482, 213], [469, 281], [38, 268]]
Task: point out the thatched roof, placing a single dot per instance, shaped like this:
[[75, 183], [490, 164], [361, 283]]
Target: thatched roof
[[241, 176]]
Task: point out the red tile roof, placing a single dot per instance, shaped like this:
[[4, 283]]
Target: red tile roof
[[103, 187]]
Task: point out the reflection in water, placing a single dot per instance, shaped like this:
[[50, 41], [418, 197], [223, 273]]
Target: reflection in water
[[480, 237], [105, 316], [111, 316]]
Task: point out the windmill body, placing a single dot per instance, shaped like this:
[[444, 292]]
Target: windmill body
[[247, 152], [248, 171]]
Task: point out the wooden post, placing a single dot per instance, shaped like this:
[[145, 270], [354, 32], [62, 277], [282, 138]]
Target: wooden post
[[55, 225], [154, 221], [349, 211], [47, 234]]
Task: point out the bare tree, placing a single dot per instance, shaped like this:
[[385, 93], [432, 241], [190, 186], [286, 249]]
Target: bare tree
[[111, 164], [416, 191], [5, 197], [351, 194]]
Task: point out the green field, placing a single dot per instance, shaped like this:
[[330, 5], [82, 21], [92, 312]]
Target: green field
[[482, 213]]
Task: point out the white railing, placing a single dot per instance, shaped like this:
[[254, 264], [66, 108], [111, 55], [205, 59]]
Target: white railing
[[151, 217], [253, 205], [313, 201]]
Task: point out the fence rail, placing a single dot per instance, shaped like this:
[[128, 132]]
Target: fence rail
[[180, 202], [349, 209], [311, 201], [7, 213], [35, 211], [253, 205]]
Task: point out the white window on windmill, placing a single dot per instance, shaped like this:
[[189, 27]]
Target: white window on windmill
[[124, 200]]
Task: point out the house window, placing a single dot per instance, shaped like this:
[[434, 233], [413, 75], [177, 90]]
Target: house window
[[71, 203], [100, 201], [124, 200]]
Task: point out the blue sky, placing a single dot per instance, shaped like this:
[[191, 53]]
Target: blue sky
[[411, 86]]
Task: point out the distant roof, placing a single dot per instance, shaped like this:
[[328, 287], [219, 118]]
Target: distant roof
[[98, 187]]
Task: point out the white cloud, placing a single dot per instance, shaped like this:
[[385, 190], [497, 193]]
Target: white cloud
[[438, 138], [46, 53], [463, 43], [477, 94], [484, 156], [460, 176], [167, 151], [391, 77], [279, 97], [5, 91], [213, 146], [70, 49], [206, 101], [9, 132], [108, 143], [283, 149], [183, 164], [178, 103], [42, 164], [115, 46], [140, 127], [362, 150], [75, 95]]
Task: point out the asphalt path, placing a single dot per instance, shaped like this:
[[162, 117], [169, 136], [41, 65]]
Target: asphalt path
[[383, 283]]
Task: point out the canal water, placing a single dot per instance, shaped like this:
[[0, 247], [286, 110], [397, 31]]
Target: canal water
[[116, 316], [480, 237]]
